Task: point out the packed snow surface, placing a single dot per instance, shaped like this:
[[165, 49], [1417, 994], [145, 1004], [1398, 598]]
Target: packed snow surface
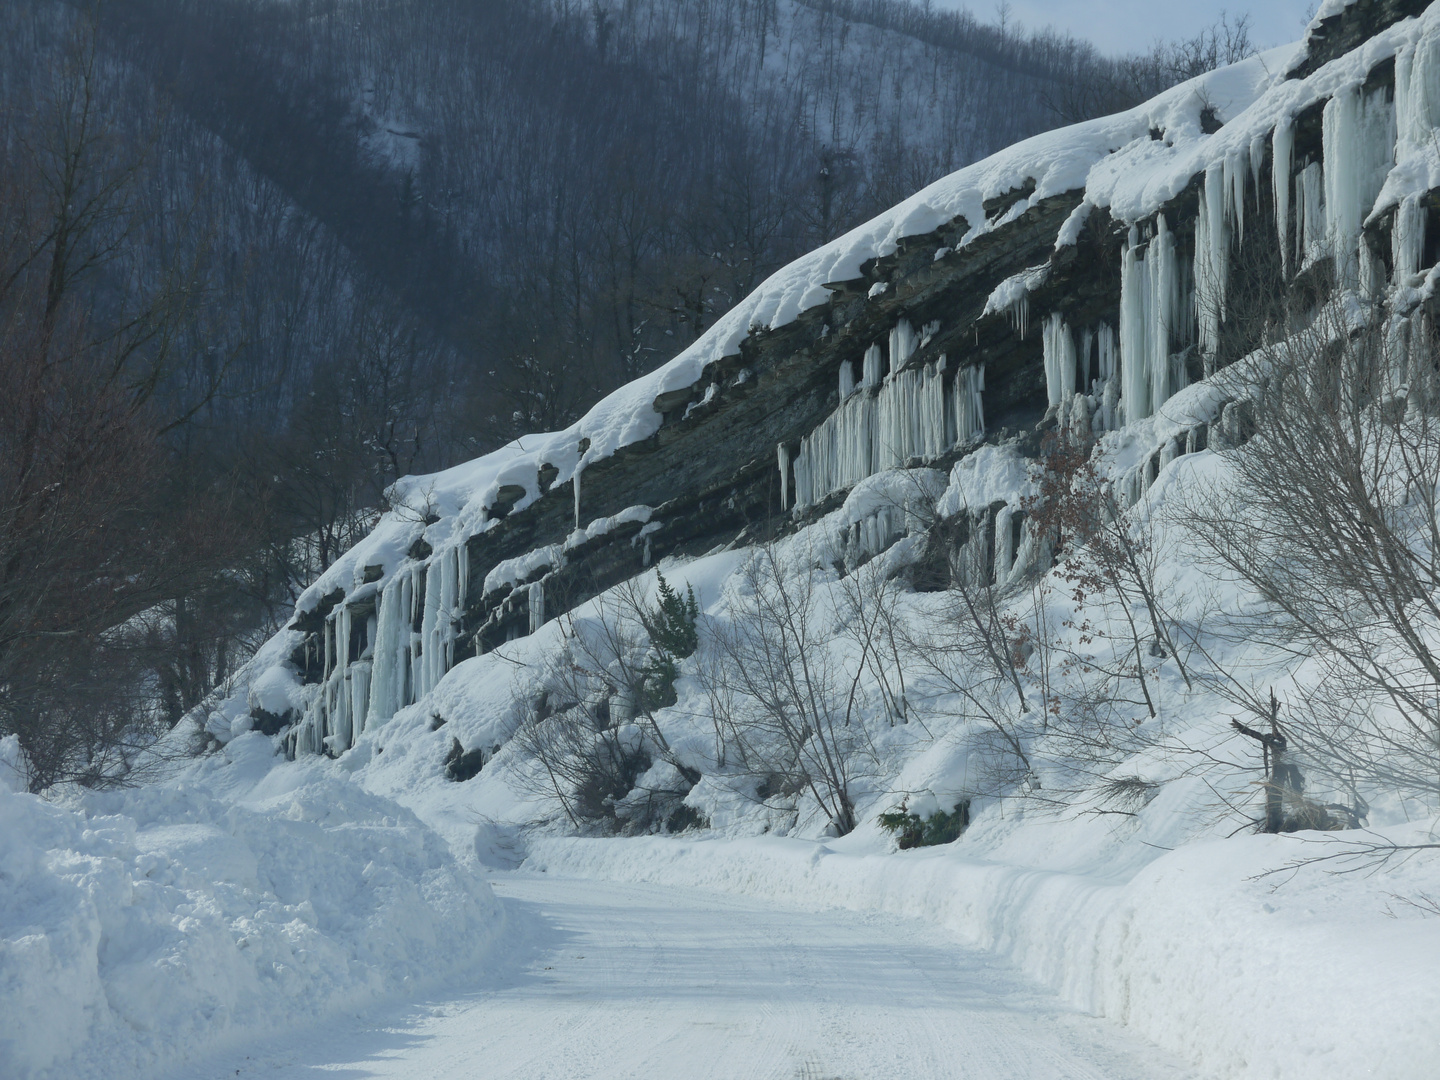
[[655, 983]]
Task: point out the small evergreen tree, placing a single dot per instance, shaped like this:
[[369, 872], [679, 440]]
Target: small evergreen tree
[[672, 626]]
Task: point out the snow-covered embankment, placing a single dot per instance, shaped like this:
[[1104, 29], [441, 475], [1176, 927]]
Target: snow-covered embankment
[[1196, 952]]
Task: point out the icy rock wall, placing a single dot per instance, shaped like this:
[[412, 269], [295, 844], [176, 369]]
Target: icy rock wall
[[1125, 293], [385, 648], [913, 412]]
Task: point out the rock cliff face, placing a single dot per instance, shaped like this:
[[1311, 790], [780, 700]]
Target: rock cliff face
[[1080, 278]]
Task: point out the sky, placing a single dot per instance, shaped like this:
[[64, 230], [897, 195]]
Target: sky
[[1120, 26]]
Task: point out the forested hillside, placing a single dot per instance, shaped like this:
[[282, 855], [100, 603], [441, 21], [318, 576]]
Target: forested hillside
[[261, 259]]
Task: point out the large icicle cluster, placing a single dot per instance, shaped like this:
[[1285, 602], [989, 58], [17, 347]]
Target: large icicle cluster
[[1154, 313], [393, 658], [1359, 142], [913, 412], [1078, 402]]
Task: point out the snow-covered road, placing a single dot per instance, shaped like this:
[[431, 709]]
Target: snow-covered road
[[657, 983]]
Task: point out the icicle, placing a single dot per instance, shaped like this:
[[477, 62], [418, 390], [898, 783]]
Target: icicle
[[1212, 258], [1004, 543], [1417, 95], [1283, 159], [340, 717], [804, 482], [902, 345], [782, 456], [1359, 139], [933, 412], [1257, 161], [360, 676], [847, 379], [1059, 352], [432, 643], [1134, 389], [537, 606], [1164, 308], [579, 468], [386, 655], [1150, 315], [1310, 228], [405, 657], [838, 453], [1109, 363], [871, 372], [969, 405], [1080, 417], [1020, 315], [1235, 197], [1408, 238]]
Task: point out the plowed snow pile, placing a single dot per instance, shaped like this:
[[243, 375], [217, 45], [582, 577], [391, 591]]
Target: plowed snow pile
[[142, 927]]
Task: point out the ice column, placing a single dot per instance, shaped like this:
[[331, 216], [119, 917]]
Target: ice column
[[1417, 95], [969, 407], [387, 655], [1359, 139], [847, 379], [1150, 313], [1059, 350], [339, 720], [871, 373], [782, 456], [1212, 257], [902, 345], [911, 420], [912, 415], [838, 453], [1408, 237], [1108, 358], [537, 606], [1283, 143], [1004, 543]]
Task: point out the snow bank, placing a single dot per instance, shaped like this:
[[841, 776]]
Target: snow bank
[[141, 928], [1245, 976]]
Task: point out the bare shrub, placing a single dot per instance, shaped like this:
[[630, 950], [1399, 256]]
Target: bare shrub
[[593, 730], [1329, 515], [792, 721]]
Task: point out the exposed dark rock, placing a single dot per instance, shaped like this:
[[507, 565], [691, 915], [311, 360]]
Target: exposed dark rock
[[462, 764], [267, 723], [1340, 33]]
